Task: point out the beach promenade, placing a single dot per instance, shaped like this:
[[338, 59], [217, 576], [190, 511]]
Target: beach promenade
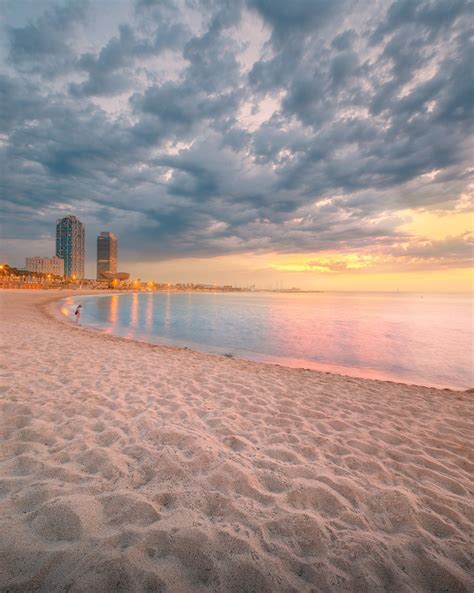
[[128, 467]]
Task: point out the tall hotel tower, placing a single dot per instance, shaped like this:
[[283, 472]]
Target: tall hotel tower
[[70, 234], [106, 254]]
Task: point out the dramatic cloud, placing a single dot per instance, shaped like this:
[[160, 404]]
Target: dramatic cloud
[[43, 46], [213, 127]]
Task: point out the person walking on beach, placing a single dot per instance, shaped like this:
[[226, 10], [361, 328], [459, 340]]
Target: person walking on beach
[[78, 314]]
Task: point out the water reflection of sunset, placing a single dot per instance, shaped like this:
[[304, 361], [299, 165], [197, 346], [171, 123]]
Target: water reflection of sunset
[[113, 309], [66, 308], [318, 334], [167, 317], [112, 317], [134, 310], [149, 312]]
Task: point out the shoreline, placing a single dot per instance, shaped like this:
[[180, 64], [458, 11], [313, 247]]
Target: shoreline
[[337, 370], [131, 467]]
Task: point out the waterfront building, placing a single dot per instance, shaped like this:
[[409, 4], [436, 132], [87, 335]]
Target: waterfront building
[[45, 265], [106, 254], [70, 246]]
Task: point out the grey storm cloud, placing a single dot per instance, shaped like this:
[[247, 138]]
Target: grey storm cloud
[[110, 72], [188, 135], [44, 44]]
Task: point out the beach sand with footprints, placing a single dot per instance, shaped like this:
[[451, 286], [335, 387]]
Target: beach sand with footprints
[[132, 467]]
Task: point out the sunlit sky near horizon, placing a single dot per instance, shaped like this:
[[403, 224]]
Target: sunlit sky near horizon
[[325, 144]]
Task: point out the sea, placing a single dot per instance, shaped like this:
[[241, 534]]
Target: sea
[[423, 339]]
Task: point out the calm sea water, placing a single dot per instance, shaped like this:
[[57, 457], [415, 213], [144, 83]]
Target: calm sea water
[[410, 338]]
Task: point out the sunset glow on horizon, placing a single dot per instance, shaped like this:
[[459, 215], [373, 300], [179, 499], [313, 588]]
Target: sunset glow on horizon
[[414, 264]]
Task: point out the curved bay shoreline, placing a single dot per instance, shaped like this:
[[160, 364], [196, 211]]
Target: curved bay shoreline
[[260, 358], [129, 466]]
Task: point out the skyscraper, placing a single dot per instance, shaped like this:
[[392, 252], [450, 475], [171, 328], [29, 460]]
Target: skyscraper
[[106, 254], [70, 247]]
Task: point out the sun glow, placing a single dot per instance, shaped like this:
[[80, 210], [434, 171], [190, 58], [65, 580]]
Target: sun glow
[[437, 226], [325, 263]]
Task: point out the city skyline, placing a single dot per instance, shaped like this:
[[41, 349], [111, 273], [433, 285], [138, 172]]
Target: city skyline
[[317, 144], [169, 272]]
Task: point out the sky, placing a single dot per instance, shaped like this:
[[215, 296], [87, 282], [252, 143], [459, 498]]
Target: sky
[[324, 144]]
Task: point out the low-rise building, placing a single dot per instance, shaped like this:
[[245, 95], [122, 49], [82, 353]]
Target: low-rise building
[[45, 265]]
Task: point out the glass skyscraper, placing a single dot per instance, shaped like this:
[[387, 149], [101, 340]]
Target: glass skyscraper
[[106, 254], [70, 246]]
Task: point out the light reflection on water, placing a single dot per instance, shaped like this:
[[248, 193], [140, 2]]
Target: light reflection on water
[[149, 313], [410, 338]]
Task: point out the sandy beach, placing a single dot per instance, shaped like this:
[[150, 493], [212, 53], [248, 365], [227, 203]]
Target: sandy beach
[[131, 467]]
